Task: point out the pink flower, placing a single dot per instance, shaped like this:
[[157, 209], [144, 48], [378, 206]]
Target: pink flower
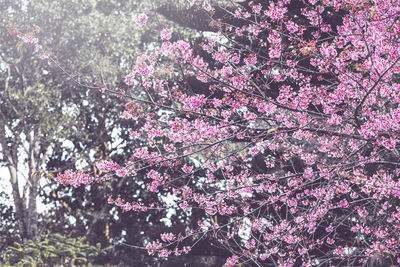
[[164, 253], [186, 249], [291, 26], [335, 119], [167, 237], [257, 8], [166, 34], [185, 206], [153, 247], [235, 59], [153, 174], [187, 169], [250, 244], [339, 250], [141, 19], [329, 229], [121, 172], [275, 12], [330, 241], [343, 203], [231, 261]]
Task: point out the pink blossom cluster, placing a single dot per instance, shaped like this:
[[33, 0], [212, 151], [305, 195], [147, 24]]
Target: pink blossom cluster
[[128, 206], [75, 178], [168, 237], [295, 140], [275, 12], [141, 19], [29, 38], [166, 34]]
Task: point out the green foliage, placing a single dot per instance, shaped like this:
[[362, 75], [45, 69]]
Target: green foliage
[[7, 225], [54, 250]]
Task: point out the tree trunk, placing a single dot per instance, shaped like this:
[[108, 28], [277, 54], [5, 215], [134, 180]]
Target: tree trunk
[[11, 163], [25, 206], [20, 211], [34, 165], [32, 218]]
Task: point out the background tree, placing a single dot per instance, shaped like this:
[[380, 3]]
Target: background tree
[[40, 103], [50, 118]]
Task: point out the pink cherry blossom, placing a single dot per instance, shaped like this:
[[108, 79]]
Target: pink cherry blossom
[[141, 19]]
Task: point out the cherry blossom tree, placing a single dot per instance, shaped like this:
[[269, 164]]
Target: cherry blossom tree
[[289, 150]]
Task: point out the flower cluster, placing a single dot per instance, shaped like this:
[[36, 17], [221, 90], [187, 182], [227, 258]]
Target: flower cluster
[[287, 142], [141, 19]]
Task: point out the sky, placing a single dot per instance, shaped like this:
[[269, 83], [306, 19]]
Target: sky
[[5, 186]]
